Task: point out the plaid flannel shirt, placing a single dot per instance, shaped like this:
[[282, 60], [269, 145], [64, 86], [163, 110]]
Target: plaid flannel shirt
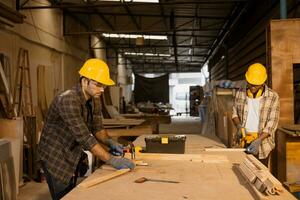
[[67, 130], [269, 116]]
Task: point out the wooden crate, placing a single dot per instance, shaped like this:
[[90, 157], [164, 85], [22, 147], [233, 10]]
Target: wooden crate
[[287, 152]]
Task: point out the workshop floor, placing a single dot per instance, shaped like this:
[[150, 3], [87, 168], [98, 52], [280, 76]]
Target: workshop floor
[[179, 125]]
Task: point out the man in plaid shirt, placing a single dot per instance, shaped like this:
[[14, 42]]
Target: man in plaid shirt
[[256, 114], [74, 124]]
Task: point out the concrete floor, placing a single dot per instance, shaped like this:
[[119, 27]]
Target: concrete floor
[[179, 125], [34, 191]]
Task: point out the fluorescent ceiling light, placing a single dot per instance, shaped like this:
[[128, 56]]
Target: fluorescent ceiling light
[[146, 37], [147, 54]]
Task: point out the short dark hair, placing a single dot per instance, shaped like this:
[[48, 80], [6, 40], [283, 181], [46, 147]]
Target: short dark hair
[[82, 77]]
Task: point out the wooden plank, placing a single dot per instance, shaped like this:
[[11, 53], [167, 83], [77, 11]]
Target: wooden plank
[[224, 150], [130, 132], [293, 160], [197, 181], [122, 121], [248, 173], [284, 51], [7, 92], [90, 183], [14, 129], [203, 158]]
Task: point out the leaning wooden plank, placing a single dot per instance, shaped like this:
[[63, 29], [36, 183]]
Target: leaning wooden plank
[[89, 183], [7, 91], [204, 158], [144, 130]]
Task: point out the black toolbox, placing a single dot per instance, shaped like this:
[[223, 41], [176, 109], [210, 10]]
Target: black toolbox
[[165, 144]]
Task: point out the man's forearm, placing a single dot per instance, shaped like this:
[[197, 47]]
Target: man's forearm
[[100, 152], [102, 136], [236, 121], [264, 135]]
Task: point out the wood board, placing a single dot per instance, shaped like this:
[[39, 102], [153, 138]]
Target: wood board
[[13, 130], [122, 121], [197, 181], [101, 179], [284, 52], [202, 158], [136, 131]]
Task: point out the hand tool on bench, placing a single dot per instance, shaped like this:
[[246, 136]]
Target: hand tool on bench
[[144, 179], [130, 149]]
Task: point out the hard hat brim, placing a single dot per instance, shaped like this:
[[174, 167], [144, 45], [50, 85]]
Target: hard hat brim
[[108, 82]]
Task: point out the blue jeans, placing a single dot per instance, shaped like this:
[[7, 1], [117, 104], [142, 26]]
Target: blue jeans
[[57, 188]]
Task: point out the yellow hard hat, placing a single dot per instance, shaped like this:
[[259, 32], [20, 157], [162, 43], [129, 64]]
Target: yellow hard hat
[[96, 70], [256, 74]]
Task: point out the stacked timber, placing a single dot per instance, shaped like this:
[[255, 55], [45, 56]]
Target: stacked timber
[[261, 181]]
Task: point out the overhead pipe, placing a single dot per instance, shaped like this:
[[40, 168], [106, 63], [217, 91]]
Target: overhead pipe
[[283, 9], [223, 34]]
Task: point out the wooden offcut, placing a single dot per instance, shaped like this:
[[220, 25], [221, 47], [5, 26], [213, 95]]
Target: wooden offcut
[[90, 183]]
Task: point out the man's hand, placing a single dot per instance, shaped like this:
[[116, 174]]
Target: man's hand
[[116, 148], [239, 134], [254, 146], [120, 163]]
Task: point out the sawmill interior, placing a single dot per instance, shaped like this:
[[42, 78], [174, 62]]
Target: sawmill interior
[[149, 99]]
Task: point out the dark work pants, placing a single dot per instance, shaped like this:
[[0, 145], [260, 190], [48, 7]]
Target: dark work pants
[[57, 188]]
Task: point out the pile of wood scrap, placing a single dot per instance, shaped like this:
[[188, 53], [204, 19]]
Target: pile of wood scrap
[[261, 181]]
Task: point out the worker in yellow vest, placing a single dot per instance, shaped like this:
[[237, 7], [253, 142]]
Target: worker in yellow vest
[[256, 114]]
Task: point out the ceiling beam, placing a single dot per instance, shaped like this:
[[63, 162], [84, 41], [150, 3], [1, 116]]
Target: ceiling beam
[[150, 15], [152, 46], [234, 17], [119, 4], [138, 27], [107, 22]]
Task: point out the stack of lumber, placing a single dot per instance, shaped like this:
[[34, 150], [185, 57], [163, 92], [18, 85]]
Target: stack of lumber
[[261, 181]]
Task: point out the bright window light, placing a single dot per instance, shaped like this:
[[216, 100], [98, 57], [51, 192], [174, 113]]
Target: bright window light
[[147, 54], [146, 37]]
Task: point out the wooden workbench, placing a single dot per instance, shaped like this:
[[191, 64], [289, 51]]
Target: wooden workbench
[[207, 175], [153, 119]]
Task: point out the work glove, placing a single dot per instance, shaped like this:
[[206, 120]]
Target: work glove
[[120, 163], [254, 146], [115, 148]]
